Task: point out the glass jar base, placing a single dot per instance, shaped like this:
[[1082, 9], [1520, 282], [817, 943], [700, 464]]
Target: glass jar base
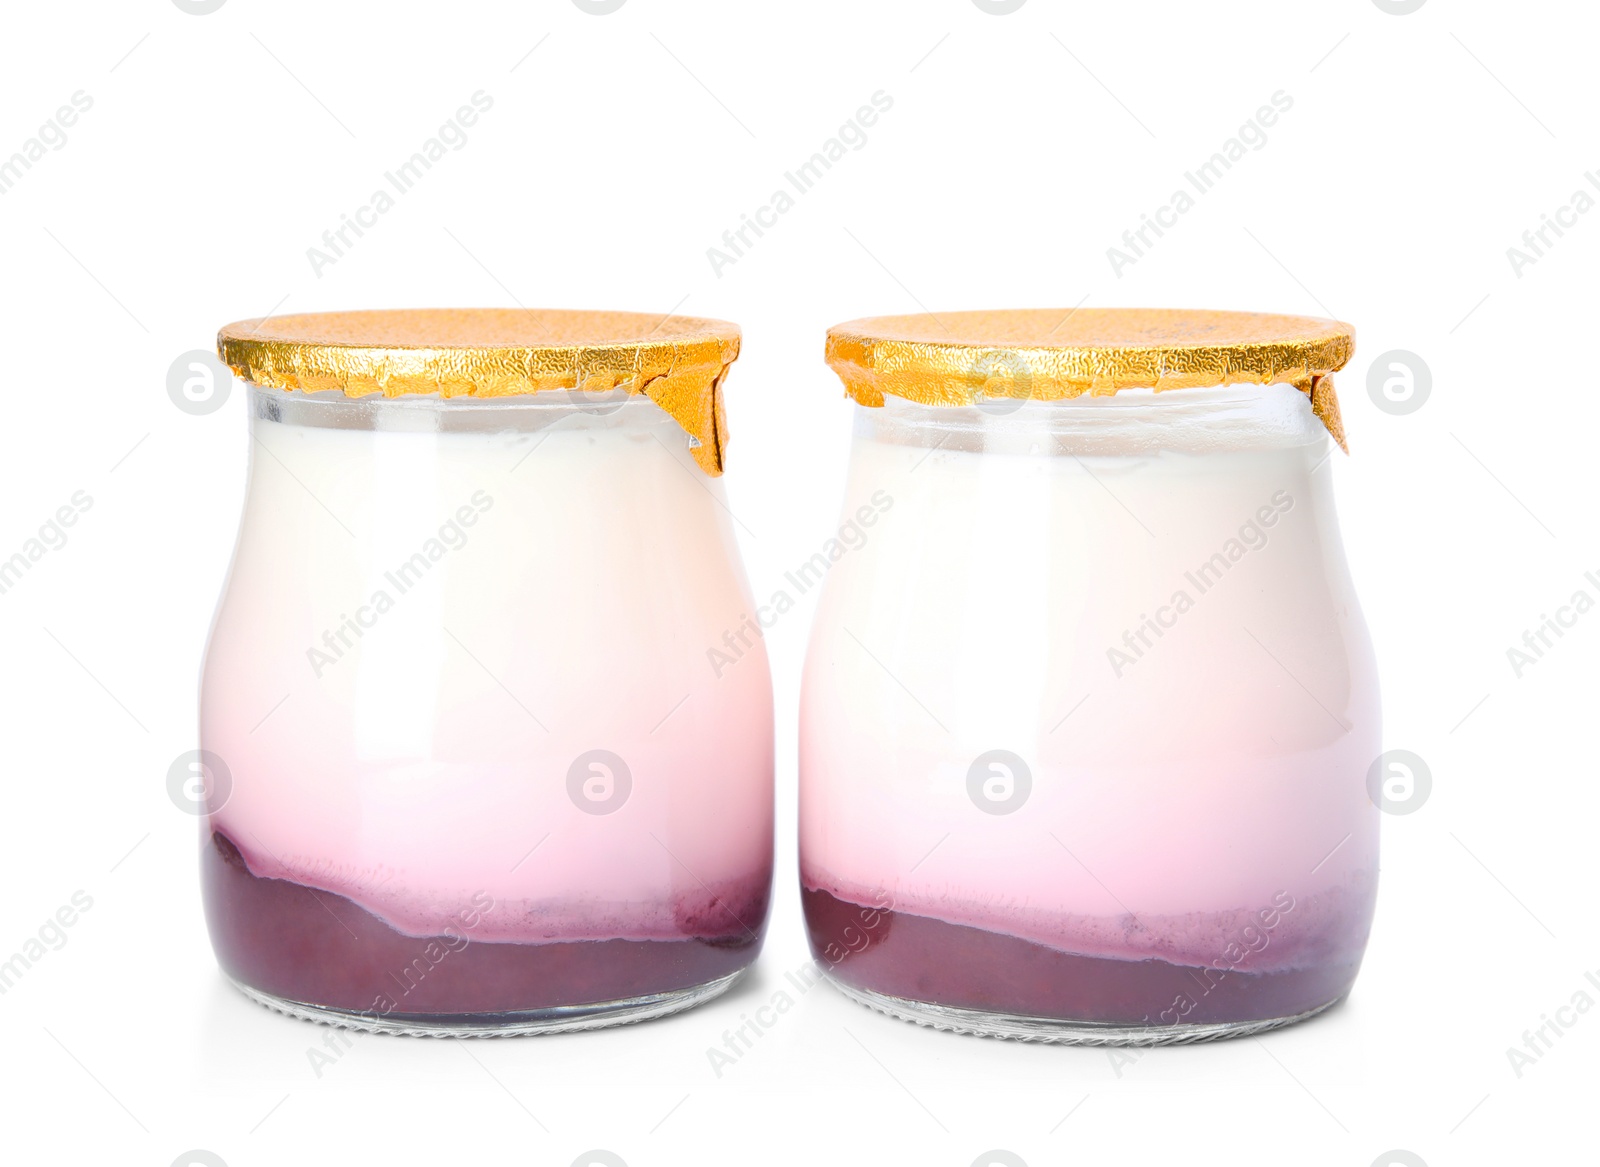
[[522, 1023], [1049, 1030]]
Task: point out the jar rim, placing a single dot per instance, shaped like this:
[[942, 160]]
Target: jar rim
[[679, 362], [1134, 422], [964, 358]]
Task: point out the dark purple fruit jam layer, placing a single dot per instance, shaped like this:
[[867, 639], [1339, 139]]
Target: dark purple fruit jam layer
[[929, 960], [318, 948]]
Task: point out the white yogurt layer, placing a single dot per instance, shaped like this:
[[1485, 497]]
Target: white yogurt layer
[[1156, 619], [427, 634]]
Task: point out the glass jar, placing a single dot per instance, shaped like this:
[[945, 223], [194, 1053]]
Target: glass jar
[[1088, 714], [469, 770]]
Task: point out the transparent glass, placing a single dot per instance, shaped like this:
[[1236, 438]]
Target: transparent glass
[[471, 767], [1087, 718]]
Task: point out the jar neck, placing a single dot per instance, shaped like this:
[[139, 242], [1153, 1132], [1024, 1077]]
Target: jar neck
[[416, 413], [361, 456], [1133, 421]]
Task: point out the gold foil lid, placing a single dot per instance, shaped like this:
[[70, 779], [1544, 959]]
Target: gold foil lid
[[678, 362], [960, 358]]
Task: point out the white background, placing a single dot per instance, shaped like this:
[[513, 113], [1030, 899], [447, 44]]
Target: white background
[[619, 148]]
